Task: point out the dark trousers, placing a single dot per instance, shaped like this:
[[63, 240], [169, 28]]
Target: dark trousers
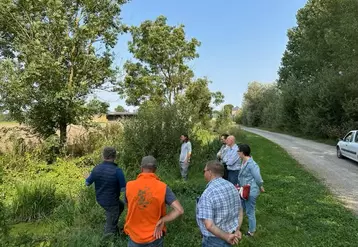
[[233, 176], [225, 172], [112, 216]]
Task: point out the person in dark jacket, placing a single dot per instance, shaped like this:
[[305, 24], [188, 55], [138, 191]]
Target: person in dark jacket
[[109, 181]]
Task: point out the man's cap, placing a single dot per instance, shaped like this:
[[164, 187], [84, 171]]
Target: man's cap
[[149, 161]]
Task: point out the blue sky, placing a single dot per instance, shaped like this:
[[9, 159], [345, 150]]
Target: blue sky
[[242, 40]]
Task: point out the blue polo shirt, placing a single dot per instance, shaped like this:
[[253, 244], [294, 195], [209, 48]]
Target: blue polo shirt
[[108, 180]]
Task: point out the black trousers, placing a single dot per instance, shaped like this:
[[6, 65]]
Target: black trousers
[[112, 216]]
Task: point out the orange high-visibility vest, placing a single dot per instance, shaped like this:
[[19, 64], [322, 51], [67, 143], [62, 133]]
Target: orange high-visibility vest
[[146, 205]]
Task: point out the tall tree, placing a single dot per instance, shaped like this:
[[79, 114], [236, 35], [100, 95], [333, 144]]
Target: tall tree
[[200, 99], [318, 75], [160, 72], [57, 53]]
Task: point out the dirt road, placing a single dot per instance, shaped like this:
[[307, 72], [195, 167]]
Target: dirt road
[[340, 175]]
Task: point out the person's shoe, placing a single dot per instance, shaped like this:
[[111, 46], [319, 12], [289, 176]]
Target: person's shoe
[[249, 234]]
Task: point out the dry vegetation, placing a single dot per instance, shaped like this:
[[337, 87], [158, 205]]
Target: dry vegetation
[[12, 133]]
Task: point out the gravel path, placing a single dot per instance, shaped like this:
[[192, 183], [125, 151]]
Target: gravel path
[[341, 175]]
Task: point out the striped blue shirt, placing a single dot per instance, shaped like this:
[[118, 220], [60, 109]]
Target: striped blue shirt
[[231, 158]]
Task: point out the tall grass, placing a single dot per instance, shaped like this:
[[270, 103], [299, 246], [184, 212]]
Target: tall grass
[[34, 201]]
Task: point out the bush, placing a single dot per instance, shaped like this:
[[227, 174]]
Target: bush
[[4, 227], [155, 131], [34, 201]]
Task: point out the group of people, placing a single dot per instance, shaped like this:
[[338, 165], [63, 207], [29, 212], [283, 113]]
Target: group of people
[[219, 210]]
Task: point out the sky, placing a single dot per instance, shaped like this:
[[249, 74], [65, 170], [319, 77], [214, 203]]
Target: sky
[[241, 40]]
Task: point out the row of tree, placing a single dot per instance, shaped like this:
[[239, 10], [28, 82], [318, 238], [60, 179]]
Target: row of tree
[[317, 90], [56, 54]]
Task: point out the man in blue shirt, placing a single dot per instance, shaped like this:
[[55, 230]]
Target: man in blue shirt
[[109, 180], [232, 160], [218, 210]]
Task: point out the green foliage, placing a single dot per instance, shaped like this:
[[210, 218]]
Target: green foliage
[[5, 117], [78, 220], [96, 106], [34, 201], [50, 149], [155, 131], [198, 99], [120, 108], [317, 88], [224, 118], [161, 72], [52, 59], [4, 227]]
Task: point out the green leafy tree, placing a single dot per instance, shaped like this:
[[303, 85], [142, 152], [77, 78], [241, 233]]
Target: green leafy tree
[[160, 72], [96, 106], [55, 53], [224, 118], [120, 108], [318, 75], [200, 98]]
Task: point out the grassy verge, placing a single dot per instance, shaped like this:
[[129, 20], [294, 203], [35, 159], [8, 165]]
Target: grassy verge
[[296, 210], [331, 142]]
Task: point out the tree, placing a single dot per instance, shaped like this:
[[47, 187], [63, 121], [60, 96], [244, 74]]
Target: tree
[[57, 53], [225, 117], [161, 72], [200, 98], [318, 75], [96, 106], [120, 108]]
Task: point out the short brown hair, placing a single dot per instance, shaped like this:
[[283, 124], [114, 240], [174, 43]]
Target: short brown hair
[[215, 167]]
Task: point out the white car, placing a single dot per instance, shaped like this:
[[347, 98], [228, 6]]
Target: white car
[[348, 146]]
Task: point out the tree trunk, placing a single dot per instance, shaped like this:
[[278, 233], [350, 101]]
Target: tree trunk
[[63, 134]]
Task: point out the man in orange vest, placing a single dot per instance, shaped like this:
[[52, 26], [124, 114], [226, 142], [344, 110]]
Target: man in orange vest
[[147, 198]]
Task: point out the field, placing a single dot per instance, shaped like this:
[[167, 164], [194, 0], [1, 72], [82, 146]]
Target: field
[[296, 210]]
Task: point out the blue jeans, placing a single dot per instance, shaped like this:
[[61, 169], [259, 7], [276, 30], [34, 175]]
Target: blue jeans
[[213, 242], [155, 243], [233, 176], [249, 207]]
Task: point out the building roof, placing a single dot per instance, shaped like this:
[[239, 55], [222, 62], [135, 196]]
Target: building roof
[[236, 108]]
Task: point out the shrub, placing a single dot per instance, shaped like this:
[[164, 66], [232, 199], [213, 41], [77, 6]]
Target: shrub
[[4, 227], [34, 201], [155, 131], [89, 212]]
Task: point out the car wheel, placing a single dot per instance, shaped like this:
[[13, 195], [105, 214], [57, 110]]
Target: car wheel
[[339, 153]]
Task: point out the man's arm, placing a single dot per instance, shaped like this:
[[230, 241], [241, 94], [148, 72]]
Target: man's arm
[[176, 211], [241, 216], [230, 238], [188, 156], [90, 179], [121, 179], [231, 157]]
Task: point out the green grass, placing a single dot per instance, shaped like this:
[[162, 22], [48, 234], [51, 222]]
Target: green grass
[[331, 142], [296, 210]]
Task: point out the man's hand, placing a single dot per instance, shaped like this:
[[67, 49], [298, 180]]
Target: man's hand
[[238, 234], [232, 239], [158, 232], [86, 175]]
